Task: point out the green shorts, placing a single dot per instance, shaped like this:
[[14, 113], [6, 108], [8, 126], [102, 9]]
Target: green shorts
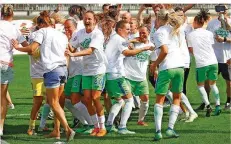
[[96, 82], [174, 76], [73, 85], [118, 87], [208, 72], [139, 88]]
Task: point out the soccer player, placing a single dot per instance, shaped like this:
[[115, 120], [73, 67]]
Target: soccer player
[[90, 40], [135, 68], [52, 45], [73, 88], [116, 84], [8, 32], [200, 43], [167, 42], [221, 49]]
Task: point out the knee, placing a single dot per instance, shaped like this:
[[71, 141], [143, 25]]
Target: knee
[[144, 98]]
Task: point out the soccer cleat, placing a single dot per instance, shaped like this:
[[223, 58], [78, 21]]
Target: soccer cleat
[[170, 133], [111, 128], [142, 123], [71, 136], [201, 107], [125, 131], [227, 106], [183, 116], [89, 130], [217, 110], [31, 132], [101, 133], [208, 111], [192, 117], [94, 132], [39, 116], [40, 129], [51, 115], [76, 122], [11, 106], [158, 136]]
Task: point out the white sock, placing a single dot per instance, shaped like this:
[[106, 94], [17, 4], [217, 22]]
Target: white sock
[[203, 95], [84, 112], [95, 120], [174, 111], [101, 122], [158, 114], [75, 112], [136, 101], [185, 100], [114, 111], [45, 113], [169, 95], [215, 92], [143, 110], [127, 109]]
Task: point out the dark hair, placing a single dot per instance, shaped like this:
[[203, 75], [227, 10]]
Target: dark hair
[[113, 14], [202, 16], [44, 18], [177, 9], [120, 24], [7, 11], [77, 10], [104, 5]]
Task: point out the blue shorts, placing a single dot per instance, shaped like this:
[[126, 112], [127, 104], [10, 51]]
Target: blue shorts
[[7, 74], [56, 77]]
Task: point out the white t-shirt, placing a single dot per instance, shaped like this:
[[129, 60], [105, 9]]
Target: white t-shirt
[[53, 44], [95, 63], [132, 36], [152, 32], [221, 49], [36, 66], [113, 52], [184, 46], [174, 57], [201, 41], [136, 66], [76, 64], [7, 33]]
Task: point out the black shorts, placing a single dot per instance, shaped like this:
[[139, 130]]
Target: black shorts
[[223, 69]]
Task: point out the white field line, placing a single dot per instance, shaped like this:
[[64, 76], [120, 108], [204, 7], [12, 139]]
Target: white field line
[[15, 115]]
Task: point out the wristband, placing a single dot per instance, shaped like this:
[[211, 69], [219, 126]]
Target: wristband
[[225, 39]]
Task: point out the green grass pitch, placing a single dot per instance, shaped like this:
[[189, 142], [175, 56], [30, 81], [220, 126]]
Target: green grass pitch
[[212, 130]]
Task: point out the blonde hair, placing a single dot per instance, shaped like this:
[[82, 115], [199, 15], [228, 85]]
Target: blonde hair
[[58, 18], [170, 17], [7, 11]]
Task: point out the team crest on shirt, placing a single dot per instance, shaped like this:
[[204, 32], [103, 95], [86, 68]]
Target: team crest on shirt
[[142, 57], [85, 44]]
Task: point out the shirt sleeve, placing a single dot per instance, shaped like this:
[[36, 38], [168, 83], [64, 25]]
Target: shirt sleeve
[[212, 38], [97, 40], [20, 37], [39, 37], [75, 41], [122, 45], [188, 38], [161, 39]]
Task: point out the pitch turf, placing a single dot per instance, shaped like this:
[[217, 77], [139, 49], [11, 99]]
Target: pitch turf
[[212, 130]]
